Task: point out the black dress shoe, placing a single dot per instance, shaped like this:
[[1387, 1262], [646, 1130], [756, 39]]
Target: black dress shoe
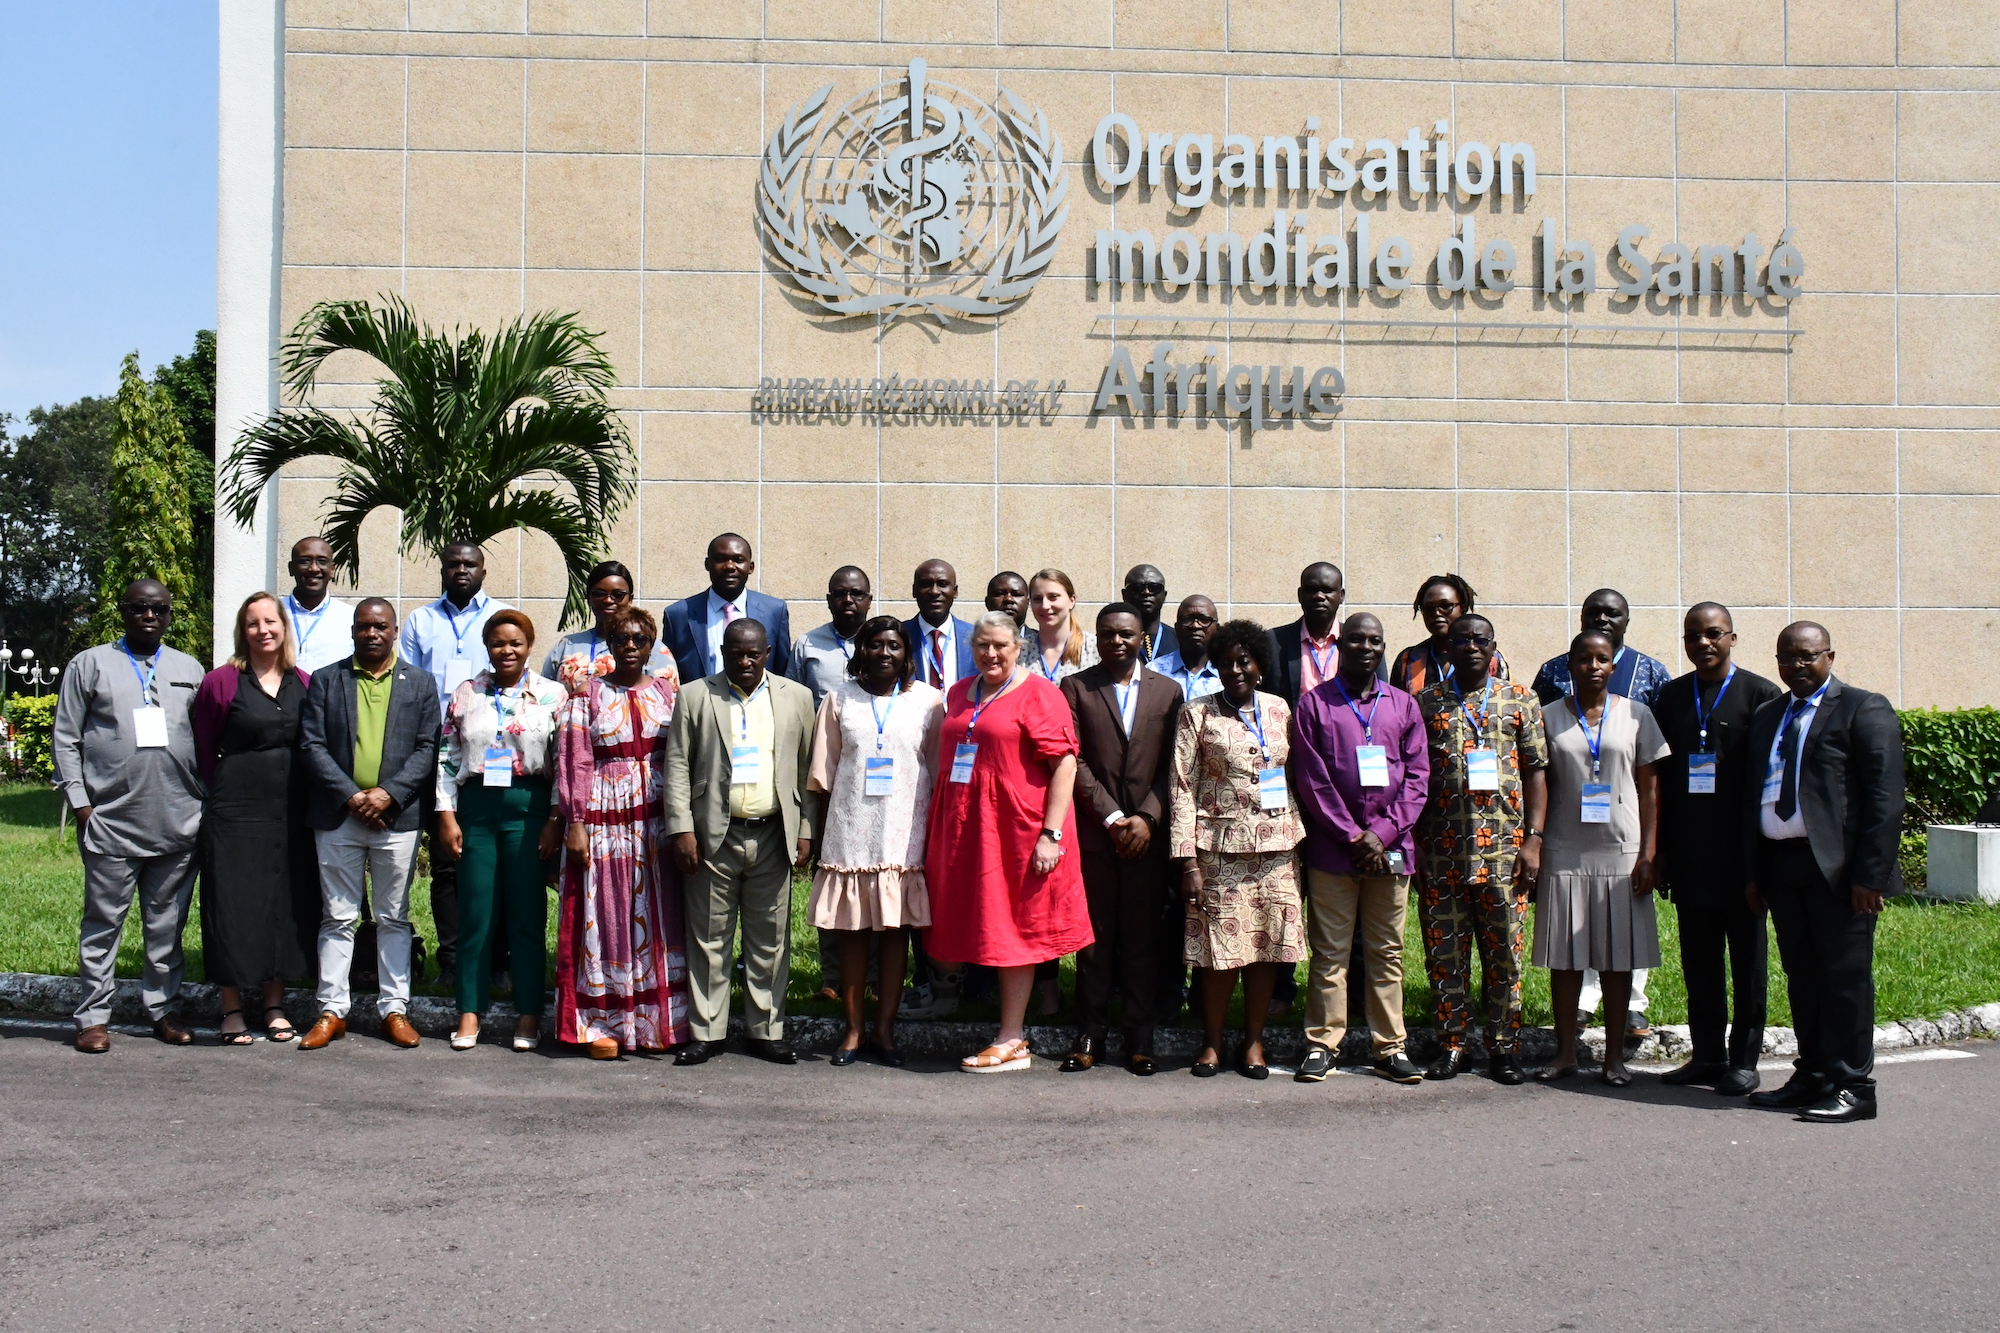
[[775, 1049], [1249, 1070], [887, 1056], [1081, 1057], [1142, 1064], [1695, 1071], [1800, 1090], [1506, 1068], [698, 1052], [840, 1059], [1841, 1108], [1449, 1064], [1737, 1083]]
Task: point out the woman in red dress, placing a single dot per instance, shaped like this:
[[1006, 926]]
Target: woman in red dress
[[1006, 890]]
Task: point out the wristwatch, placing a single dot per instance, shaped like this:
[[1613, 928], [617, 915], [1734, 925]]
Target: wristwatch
[[1053, 834], [1530, 833]]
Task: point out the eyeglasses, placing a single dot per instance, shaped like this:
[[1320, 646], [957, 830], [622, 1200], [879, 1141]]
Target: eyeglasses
[[1159, 588], [1198, 622], [1709, 635], [313, 561], [1800, 659], [608, 595], [627, 640], [1474, 640]]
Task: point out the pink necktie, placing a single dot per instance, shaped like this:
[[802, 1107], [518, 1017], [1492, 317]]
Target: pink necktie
[[729, 612]]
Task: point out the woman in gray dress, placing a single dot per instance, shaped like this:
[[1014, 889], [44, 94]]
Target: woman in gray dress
[[1594, 898]]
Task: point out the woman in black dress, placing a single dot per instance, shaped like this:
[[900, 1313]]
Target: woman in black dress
[[246, 731]]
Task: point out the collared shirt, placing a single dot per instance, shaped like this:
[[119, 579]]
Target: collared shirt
[[1633, 674], [819, 661], [371, 721], [720, 613], [1464, 836], [1329, 654], [1327, 733], [1195, 684], [933, 649], [1768, 822], [323, 634], [446, 641], [751, 722]]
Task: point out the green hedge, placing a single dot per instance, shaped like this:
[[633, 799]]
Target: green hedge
[[1951, 761], [31, 719]]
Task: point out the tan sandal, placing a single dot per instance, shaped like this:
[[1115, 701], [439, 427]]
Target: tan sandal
[[999, 1058], [603, 1048]]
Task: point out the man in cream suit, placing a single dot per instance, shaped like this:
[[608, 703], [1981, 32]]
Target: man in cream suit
[[736, 772]]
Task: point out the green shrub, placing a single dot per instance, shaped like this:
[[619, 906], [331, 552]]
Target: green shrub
[[1951, 763], [31, 719]]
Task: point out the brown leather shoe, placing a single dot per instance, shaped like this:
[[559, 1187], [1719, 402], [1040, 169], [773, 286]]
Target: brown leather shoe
[[396, 1027], [328, 1028], [94, 1040], [170, 1031], [1142, 1064]]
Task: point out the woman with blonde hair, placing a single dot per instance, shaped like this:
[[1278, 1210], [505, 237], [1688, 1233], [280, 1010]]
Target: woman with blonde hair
[[1056, 644], [259, 904]]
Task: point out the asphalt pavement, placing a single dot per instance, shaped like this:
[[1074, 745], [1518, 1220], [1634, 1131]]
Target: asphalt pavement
[[365, 1187]]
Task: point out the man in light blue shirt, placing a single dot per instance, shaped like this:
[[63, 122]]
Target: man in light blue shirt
[[445, 637], [819, 660], [1188, 665]]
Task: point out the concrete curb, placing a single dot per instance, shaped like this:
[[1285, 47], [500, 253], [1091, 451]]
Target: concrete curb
[[31, 995]]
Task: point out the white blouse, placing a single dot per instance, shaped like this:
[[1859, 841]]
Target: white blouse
[[523, 719], [859, 832]]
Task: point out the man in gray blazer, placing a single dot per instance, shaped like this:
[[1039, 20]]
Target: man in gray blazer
[[368, 740], [124, 760], [736, 772]]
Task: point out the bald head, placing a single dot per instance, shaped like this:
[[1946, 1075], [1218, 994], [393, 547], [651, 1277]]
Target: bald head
[[1805, 657]]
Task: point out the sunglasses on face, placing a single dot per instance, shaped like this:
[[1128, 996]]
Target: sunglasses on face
[[609, 595], [628, 640]]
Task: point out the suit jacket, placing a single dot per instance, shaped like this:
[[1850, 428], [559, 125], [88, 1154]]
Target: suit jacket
[[1850, 786], [1701, 836], [961, 640], [409, 744], [684, 631], [1116, 772], [697, 780], [1286, 652]]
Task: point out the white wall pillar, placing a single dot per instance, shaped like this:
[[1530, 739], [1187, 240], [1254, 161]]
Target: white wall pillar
[[249, 228]]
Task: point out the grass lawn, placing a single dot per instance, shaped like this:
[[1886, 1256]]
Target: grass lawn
[[1929, 956]]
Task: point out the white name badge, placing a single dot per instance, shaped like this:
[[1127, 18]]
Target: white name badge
[[497, 769], [1374, 765], [1482, 770], [1271, 793], [1597, 803], [746, 765], [961, 762], [1774, 785], [878, 776], [1701, 774], [149, 728], [457, 670]]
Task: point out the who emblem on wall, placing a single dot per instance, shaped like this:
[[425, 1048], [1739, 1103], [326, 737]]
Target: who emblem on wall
[[913, 199]]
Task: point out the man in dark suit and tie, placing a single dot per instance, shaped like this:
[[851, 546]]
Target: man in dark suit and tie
[[1821, 833], [692, 628], [1304, 653], [1705, 716], [944, 642], [1125, 719]]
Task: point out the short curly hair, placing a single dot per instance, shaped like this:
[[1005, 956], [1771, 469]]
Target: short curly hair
[[1249, 635], [630, 614]]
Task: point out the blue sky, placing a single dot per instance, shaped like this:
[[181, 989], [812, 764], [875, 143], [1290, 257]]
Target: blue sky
[[107, 219]]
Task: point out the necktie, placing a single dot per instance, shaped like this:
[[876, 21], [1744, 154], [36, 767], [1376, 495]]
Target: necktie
[[937, 658], [1788, 788], [729, 612]]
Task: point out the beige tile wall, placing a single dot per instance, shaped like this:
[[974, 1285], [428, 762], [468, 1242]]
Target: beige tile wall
[[601, 155]]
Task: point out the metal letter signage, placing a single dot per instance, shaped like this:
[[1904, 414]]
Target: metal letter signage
[[913, 201]]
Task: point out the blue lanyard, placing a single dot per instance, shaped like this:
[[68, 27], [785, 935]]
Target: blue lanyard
[[1588, 739], [593, 650], [1319, 667], [1485, 712], [882, 717], [1702, 716], [152, 668], [451, 618], [1367, 723], [847, 652], [1255, 725], [1803, 706], [1039, 661], [298, 615], [979, 705], [499, 697], [748, 699], [1441, 670]]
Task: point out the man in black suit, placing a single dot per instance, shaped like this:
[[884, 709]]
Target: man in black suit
[[1306, 652], [1821, 835], [1705, 716], [1125, 719]]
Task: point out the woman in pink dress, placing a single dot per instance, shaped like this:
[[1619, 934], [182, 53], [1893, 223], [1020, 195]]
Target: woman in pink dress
[[621, 953], [1005, 887]]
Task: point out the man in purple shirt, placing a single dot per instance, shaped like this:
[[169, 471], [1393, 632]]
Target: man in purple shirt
[[1363, 771]]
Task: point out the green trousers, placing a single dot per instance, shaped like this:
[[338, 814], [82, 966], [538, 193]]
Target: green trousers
[[501, 862]]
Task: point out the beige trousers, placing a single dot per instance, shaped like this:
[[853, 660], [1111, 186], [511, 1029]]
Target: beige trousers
[[1377, 903]]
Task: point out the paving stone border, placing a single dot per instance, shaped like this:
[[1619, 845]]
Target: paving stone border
[[31, 995]]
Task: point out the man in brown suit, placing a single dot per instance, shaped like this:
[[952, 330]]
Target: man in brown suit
[[1125, 719]]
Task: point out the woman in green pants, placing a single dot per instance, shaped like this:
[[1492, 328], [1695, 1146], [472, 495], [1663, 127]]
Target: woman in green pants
[[494, 772]]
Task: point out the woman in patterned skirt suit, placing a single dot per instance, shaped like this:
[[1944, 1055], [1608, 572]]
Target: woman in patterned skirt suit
[[1236, 833]]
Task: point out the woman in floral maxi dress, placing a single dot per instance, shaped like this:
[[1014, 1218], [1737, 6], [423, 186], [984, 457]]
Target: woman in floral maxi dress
[[621, 951]]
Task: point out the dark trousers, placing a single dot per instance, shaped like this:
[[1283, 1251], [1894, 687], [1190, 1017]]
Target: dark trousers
[[1828, 950], [1124, 901], [1707, 934], [444, 895]]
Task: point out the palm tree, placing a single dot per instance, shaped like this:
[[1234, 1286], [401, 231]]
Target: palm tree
[[470, 436]]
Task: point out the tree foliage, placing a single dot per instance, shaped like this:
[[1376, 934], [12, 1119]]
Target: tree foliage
[[152, 520], [55, 521], [470, 435]]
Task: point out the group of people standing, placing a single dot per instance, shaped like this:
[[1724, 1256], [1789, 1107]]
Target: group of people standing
[[978, 799]]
